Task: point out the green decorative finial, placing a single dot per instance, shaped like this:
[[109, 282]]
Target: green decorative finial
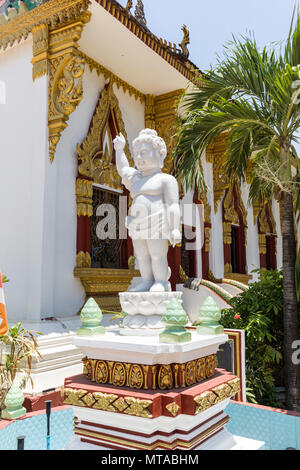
[[210, 315], [91, 317], [175, 318], [13, 402]]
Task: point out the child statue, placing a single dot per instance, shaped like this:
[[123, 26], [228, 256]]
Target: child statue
[[154, 217]]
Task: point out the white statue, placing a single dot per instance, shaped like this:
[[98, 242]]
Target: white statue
[[154, 217]]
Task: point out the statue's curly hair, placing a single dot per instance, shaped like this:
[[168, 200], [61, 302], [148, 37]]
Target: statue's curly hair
[[150, 136]]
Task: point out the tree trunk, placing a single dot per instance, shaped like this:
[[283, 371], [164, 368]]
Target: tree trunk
[[290, 309]]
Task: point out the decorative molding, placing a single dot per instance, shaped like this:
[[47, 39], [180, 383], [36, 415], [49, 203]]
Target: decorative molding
[[173, 408], [83, 260], [51, 13], [101, 70], [97, 281], [40, 46], [243, 278], [166, 122], [84, 197], [107, 402], [139, 376], [211, 397], [66, 70], [150, 112]]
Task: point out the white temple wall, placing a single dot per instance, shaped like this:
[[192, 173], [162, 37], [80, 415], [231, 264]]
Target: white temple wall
[[252, 248], [23, 140], [59, 281]]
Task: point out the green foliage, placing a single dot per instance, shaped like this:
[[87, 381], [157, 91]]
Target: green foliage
[[17, 349], [261, 316]]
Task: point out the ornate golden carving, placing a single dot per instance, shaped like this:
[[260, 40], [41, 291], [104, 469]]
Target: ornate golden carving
[[185, 42], [108, 75], [244, 278], [201, 369], [104, 401], [165, 377], [131, 263], [84, 197], [182, 275], [66, 69], [190, 373], [176, 370], [166, 120], [83, 260], [210, 365], [204, 401], [40, 50], [138, 407], [209, 398], [51, 13], [97, 281], [136, 376], [140, 376], [92, 163], [74, 396], [87, 368], [101, 372], [222, 392], [173, 408], [119, 375], [150, 112]]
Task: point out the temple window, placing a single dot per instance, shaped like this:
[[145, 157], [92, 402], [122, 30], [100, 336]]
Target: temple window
[[234, 233], [267, 238]]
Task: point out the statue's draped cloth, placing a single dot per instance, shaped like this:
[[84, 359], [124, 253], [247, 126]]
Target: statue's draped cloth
[[147, 219]]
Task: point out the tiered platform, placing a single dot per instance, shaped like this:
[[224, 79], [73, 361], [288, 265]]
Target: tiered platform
[[137, 393]]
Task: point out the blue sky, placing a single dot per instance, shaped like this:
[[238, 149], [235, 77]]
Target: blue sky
[[212, 23]]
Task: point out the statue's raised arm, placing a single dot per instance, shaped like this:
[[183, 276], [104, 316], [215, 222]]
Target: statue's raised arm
[[124, 169]]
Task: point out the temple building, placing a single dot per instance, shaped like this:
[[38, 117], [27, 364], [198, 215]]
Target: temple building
[[74, 74]]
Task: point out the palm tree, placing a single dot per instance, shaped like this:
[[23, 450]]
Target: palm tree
[[253, 97]]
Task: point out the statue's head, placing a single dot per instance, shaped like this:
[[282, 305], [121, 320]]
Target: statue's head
[[149, 150]]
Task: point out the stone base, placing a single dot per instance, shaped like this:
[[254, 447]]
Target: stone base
[[144, 312], [119, 418], [223, 440]]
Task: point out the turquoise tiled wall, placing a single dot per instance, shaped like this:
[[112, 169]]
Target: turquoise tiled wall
[[35, 429], [277, 430]]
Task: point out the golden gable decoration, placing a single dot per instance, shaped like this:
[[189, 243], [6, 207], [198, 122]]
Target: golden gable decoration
[[95, 162]]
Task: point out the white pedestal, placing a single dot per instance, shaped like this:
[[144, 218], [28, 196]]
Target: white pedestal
[[147, 350]]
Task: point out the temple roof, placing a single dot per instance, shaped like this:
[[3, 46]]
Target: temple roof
[[21, 16]]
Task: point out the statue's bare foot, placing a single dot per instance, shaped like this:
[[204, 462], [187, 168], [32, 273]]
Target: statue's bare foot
[[160, 286], [143, 286]]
